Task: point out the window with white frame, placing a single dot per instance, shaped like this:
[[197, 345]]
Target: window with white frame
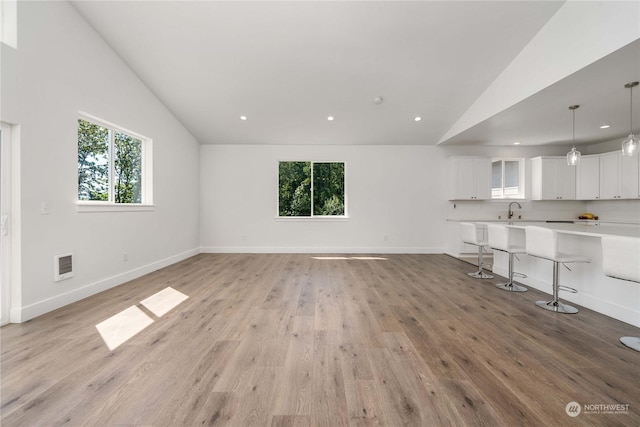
[[114, 165], [507, 179], [311, 189]]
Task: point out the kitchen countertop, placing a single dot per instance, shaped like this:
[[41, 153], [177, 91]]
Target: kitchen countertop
[[581, 229]]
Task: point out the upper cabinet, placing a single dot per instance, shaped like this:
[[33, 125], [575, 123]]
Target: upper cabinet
[[552, 179], [588, 178], [607, 176], [469, 178], [630, 177], [618, 176]]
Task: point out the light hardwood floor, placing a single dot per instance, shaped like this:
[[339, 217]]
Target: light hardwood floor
[[288, 340]]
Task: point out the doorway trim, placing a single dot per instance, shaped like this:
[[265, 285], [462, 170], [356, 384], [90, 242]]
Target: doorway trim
[[12, 262], [5, 223]]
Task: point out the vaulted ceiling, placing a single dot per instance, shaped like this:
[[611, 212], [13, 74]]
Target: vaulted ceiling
[[287, 66]]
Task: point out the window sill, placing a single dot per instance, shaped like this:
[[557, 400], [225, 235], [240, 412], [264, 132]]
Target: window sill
[[112, 207], [312, 218]]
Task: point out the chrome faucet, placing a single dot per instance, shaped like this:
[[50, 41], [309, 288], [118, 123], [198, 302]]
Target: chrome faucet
[[511, 211]]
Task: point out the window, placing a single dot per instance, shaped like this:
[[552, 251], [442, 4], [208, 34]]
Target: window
[[507, 179], [309, 189], [113, 164]]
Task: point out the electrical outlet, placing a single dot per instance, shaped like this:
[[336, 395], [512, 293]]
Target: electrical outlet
[[125, 257]]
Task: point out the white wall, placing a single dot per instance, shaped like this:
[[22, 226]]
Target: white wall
[[393, 191], [62, 67]]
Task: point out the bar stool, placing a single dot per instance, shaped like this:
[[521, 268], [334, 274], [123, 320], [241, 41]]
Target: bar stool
[[621, 260], [503, 238], [543, 243], [469, 233]]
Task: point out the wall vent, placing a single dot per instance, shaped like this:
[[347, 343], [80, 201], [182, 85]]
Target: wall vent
[[62, 267]]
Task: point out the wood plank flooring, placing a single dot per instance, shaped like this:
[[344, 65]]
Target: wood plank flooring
[[289, 340]]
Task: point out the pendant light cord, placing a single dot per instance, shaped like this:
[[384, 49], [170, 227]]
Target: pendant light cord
[[573, 133], [573, 129], [631, 110]]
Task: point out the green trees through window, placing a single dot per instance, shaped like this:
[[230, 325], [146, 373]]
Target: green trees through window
[[93, 161], [109, 164], [311, 189]]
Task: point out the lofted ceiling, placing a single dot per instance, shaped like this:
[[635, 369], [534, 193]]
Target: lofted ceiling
[[287, 66], [545, 118]]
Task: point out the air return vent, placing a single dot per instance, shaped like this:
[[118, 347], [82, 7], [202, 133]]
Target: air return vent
[[62, 267]]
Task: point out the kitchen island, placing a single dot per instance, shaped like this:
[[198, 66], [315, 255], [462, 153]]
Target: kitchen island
[[613, 297]]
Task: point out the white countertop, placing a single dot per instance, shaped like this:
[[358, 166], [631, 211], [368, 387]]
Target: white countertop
[[581, 229]]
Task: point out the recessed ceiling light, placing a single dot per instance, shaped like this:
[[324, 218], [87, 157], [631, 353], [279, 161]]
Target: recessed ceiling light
[[517, 143], [417, 119], [243, 117], [330, 118], [605, 126]]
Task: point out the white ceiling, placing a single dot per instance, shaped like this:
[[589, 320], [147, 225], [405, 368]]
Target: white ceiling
[[545, 118], [289, 65]]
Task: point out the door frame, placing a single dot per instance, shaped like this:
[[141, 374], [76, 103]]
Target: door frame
[[5, 212]]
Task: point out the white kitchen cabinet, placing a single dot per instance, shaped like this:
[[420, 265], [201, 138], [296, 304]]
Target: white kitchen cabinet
[[610, 168], [588, 178], [630, 177], [618, 176], [469, 178], [552, 179]]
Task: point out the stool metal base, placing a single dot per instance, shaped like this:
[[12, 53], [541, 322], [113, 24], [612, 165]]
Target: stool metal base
[[557, 307], [480, 275], [631, 342], [511, 287]]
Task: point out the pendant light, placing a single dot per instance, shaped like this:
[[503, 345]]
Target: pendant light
[[573, 156], [630, 143]]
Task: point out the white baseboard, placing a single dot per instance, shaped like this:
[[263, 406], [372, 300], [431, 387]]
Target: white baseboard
[[320, 250], [22, 314]]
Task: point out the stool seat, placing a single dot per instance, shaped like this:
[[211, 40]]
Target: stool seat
[[621, 257], [621, 260], [569, 258], [517, 250], [469, 234], [503, 238], [543, 243]]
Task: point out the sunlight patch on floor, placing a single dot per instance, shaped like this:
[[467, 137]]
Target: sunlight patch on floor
[[119, 328], [164, 301], [361, 258]]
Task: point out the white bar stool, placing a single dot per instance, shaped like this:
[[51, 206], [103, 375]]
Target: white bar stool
[[543, 243], [621, 260], [503, 238], [469, 233]]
